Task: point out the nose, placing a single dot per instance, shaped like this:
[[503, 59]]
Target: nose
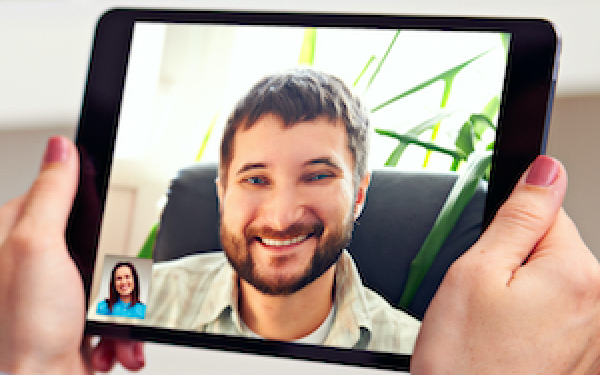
[[283, 207]]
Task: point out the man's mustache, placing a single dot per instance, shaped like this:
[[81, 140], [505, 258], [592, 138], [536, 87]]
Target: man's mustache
[[292, 231]]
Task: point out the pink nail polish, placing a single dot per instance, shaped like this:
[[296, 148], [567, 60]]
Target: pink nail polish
[[138, 352], [543, 171], [56, 150]]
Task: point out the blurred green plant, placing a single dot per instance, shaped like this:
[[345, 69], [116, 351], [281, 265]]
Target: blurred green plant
[[476, 163], [307, 51], [148, 247]]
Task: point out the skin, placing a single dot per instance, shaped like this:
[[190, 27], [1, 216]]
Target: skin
[[525, 299], [297, 175], [124, 283], [42, 309]]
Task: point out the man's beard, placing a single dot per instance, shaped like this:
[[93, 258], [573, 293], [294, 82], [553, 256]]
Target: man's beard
[[328, 250]]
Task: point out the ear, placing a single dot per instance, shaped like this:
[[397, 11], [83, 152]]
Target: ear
[[361, 195], [220, 193]]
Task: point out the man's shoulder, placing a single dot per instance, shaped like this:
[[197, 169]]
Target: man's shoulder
[[392, 329], [187, 291], [192, 264], [381, 309], [193, 272], [376, 307]]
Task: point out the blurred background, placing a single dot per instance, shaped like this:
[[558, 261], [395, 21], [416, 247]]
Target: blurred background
[[45, 47]]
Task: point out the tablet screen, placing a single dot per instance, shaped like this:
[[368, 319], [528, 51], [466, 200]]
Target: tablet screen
[[355, 171]]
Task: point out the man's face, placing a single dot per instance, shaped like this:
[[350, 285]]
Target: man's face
[[288, 207]]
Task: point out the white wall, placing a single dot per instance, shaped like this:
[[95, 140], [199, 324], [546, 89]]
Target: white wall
[[45, 44], [45, 47]]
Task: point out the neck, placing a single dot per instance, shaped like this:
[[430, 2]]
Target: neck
[[126, 299], [288, 317]]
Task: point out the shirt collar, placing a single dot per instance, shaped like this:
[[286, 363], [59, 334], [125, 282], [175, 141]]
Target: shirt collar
[[221, 298], [351, 322]]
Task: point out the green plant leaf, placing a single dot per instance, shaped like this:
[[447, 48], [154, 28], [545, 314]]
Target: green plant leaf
[[444, 75], [448, 81], [207, 135], [505, 41], [492, 107], [460, 195], [465, 141], [480, 124], [410, 139], [482, 121], [415, 131], [488, 170], [455, 165], [307, 52], [147, 249], [363, 71], [385, 55]]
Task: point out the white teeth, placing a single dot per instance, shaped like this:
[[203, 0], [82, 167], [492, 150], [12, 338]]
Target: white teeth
[[291, 241]]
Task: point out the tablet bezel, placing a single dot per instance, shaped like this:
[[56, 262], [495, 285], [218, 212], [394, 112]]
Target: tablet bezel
[[522, 130]]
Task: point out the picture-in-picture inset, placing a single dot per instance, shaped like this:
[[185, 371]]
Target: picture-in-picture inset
[[124, 288]]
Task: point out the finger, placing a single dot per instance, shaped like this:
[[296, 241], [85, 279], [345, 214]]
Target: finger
[[103, 356], [130, 354], [108, 351], [48, 203], [526, 216], [8, 215], [567, 248]]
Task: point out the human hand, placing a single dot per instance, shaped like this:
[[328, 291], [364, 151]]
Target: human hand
[[42, 309], [524, 299]]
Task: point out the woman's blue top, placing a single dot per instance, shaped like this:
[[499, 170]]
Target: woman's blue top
[[123, 309]]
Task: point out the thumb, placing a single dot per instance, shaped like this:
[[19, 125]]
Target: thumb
[[527, 215], [48, 203]]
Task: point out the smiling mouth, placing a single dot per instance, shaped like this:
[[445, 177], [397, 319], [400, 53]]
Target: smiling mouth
[[285, 242]]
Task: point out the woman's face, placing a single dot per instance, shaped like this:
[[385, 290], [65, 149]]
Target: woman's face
[[124, 281]]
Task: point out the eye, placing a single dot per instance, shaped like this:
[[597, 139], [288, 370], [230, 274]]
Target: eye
[[319, 176], [256, 180]]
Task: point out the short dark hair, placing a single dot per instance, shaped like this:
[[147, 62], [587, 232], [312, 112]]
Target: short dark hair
[[114, 294], [300, 95]]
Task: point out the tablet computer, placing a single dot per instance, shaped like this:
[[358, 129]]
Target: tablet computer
[[296, 184]]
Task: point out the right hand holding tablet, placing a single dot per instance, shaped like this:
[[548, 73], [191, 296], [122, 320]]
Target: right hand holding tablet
[[524, 299]]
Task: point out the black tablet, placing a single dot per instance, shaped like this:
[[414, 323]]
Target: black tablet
[[296, 184]]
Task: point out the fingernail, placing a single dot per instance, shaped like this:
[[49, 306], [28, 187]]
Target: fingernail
[[56, 150], [138, 352], [543, 171]]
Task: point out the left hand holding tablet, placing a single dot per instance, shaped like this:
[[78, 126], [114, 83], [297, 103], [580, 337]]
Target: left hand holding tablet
[[42, 308]]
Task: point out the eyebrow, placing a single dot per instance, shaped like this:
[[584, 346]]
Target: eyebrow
[[324, 160], [250, 166]]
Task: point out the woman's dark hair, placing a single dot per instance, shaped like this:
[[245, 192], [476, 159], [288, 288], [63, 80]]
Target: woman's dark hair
[[114, 294]]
